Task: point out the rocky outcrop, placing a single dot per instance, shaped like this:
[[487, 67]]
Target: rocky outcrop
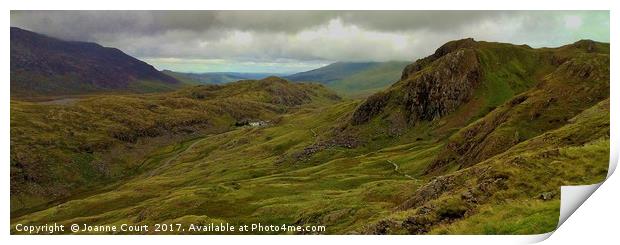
[[428, 94], [307, 152], [440, 52], [579, 82], [437, 93], [370, 108], [443, 200]]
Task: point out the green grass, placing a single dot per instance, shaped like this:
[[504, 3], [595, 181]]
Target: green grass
[[116, 133], [529, 129], [506, 188], [548, 106], [369, 81], [240, 182], [231, 177], [516, 217]]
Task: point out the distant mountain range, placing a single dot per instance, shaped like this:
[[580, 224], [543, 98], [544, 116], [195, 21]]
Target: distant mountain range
[[217, 77], [43, 66], [354, 79], [47, 66], [333, 72]]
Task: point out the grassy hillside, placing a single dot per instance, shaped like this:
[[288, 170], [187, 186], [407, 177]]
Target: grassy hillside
[[474, 139], [115, 133], [463, 81], [238, 177], [515, 192], [354, 79], [574, 86], [369, 81], [332, 72]]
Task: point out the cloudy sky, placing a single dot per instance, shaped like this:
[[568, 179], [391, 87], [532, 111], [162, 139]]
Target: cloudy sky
[[291, 41]]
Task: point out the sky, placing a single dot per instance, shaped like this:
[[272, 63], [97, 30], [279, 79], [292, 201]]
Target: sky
[[293, 41]]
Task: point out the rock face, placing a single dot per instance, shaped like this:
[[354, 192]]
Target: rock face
[[577, 84], [370, 108], [49, 66], [429, 88], [441, 51]]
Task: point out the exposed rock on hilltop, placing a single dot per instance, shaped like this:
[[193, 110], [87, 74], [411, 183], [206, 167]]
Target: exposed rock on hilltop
[[465, 80], [552, 121], [441, 51], [465, 70], [428, 93], [574, 86]]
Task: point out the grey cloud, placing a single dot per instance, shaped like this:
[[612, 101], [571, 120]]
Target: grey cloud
[[88, 24], [307, 36]]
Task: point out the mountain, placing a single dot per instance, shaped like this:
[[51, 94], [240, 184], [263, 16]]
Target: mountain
[[46, 66], [354, 79], [217, 77], [332, 72], [476, 138], [514, 118], [479, 76]]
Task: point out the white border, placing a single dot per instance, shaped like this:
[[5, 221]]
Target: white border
[[600, 210]]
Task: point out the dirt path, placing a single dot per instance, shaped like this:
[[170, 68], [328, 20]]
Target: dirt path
[[397, 169], [314, 132], [65, 101], [172, 158]]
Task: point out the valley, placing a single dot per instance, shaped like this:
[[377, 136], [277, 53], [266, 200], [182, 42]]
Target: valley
[[476, 138], [217, 77], [235, 177]]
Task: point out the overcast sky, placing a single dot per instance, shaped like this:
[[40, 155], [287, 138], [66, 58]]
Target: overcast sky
[[291, 41]]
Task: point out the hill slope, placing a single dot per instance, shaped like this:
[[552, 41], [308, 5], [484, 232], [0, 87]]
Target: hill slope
[[42, 65], [500, 116], [53, 157], [515, 192], [476, 138], [332, 72], [354, 79], [468, 79]]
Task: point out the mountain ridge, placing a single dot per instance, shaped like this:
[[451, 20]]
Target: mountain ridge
[[454, 57], [353, 79], [47, 66], [217, 77]]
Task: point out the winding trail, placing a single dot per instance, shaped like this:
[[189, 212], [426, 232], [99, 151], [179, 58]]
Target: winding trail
[[172, 158], [314, 133], [397, 169]]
